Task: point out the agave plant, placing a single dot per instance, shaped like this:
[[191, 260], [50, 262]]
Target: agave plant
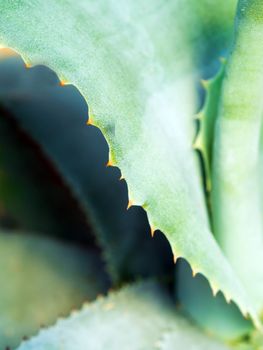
[[130, 174]]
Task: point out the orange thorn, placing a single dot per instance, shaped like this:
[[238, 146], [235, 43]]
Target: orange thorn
[[175, 257], [89, 121], [194, 272], [63, 82], [152, 231], [130, 204], [109, 163], [28, 65]]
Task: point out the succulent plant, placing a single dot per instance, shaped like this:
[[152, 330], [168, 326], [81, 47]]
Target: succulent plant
[[130, 174]]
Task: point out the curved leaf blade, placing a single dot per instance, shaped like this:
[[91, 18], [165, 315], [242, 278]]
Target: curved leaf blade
[[134, 317], [41, 280], [36, 102], [141, 92]]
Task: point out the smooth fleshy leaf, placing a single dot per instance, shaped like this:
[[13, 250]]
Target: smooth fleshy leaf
[[135, 318], [41, 280], [132, 61], [189, 338], [207, 120], [237, 170]]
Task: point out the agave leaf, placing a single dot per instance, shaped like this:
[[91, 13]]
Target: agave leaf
[[207, 118], [134, 317], [31, 192], [237, 177], [209, 308], [189, 338], [41, 280], [131, 61], [36, 101]]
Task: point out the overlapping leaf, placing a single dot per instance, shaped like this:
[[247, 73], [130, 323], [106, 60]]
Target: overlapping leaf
[[31, 192], [41, 280], [237, 170], [211, 312], [36, 102], [135, 318], [132, 63]]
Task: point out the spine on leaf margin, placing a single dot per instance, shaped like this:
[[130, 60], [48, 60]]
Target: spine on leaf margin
[[236, 174]]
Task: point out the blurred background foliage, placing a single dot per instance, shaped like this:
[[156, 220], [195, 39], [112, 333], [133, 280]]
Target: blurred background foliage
[[66, 234], [54, 184]]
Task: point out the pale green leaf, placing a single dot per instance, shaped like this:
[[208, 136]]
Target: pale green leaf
[[35, 100], [207, 120], [132, 61], [134, 318], [187, 337], [42, 280], [209, 308], [237, 170]]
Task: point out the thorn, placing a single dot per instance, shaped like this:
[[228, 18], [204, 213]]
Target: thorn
[[194, 272], [152, 230], [110, 163], [28, 65], [175, 257], [197, 145], [246, 315], [204, 83], [145, 206], [214, 290], [121, 178], [90, 121], [222, 60], [130, 204], [99, 297], [198, 116], [228, 299], [108, 306], [63, 82]]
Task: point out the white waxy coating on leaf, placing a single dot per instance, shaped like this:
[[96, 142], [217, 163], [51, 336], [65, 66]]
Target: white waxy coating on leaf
[[123, 56], [42, 279], [237, 178], [136, 317]]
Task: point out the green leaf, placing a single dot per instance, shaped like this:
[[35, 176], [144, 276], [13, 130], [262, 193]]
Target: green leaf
[[237, 171], [41, 280], [211, 312], [135, 317], [36, 102], [132, 61], [187, 337], [207, 118], [31, 191]]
